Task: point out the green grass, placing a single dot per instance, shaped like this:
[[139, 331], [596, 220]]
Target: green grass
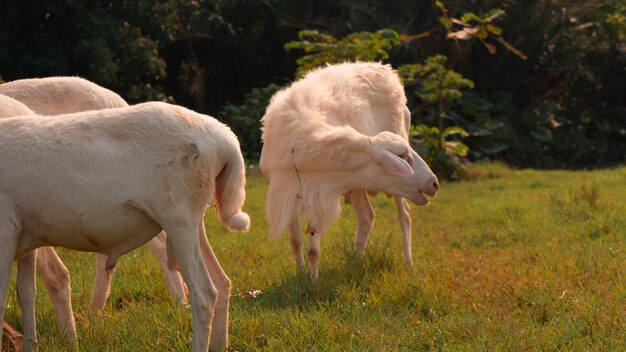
[[512, 261]]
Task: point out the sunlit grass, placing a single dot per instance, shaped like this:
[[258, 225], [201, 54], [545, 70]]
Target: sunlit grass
[[514, 260]]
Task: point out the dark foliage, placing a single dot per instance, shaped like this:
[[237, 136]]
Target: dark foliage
[[565, 105], [245, 120]]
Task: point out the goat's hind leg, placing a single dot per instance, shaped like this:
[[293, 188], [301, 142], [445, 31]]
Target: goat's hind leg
[[183, 238], [10, 227], [172, 277], [101, 283], [219, 325], [56, 278]]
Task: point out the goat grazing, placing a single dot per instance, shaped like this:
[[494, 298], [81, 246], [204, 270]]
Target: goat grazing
[[341, 130], [52, 270], [64, 95], [108, 181], [61, 95]]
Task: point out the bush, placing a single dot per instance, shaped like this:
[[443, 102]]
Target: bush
[[245, 120], [441, 150], [438, 89], [500, 130], [322, 49], [542, 134]]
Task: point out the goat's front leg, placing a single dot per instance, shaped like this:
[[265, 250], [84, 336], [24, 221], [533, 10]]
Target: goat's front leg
[[172, 277], [26, 298], [183, 238], [56, 278], [314, 252], [295, 237], [404, 218], [365, 217], [10, 227], [219, 325]]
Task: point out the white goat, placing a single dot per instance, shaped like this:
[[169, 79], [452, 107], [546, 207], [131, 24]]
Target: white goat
[[64, 95], [108, 181], [52, 270], [61, 95], [340, 130]]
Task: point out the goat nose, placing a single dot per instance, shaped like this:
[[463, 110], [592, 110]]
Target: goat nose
[[436, 185]]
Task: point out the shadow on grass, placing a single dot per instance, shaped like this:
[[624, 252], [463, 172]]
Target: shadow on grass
[[346, 271]]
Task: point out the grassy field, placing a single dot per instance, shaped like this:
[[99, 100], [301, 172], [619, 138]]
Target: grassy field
[[513, 261]]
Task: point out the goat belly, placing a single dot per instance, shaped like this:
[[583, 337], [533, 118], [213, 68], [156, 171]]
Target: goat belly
[[119, 231]]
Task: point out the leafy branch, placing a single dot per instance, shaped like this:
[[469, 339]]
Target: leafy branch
[[473, 26], [322, 49]]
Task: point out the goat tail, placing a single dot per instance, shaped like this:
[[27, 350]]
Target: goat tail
[[230, 194]]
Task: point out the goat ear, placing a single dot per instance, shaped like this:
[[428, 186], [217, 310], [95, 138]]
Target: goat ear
[[394, 164]]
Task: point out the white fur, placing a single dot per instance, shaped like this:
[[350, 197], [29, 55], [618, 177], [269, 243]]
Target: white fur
[[239, 222], [10, 107], [53, 272], [108, 181], [343, 128], [63, 95]]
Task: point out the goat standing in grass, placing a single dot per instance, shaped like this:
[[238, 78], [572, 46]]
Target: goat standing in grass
[[342, 129], [53, 272], [109, 181], [64, 95]]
